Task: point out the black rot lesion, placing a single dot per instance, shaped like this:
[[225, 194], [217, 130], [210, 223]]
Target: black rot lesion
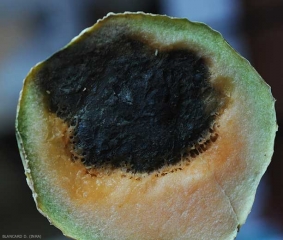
[[128, 105]]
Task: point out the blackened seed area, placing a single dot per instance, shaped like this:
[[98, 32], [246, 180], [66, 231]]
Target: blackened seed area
[[128, 104]]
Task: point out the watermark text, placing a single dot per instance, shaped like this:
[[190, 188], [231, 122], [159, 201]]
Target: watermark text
[[19, 236]]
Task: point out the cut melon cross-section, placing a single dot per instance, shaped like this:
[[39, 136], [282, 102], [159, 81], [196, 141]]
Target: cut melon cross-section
[[145, 127]]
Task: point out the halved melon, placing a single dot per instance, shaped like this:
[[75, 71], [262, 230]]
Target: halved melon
[[145, 127]]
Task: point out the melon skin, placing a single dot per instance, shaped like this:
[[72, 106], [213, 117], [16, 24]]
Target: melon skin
[[208, 199]]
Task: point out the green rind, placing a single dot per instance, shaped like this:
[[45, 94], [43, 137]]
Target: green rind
[[208, 40]]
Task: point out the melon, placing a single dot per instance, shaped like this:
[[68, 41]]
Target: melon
[[145, 127]]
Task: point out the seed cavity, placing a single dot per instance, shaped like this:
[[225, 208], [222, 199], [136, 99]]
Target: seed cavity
[[130, 106]]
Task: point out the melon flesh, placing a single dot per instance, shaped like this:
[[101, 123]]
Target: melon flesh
[[209, 198]]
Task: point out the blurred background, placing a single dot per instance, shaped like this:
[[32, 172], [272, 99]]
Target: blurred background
[[30, 31]]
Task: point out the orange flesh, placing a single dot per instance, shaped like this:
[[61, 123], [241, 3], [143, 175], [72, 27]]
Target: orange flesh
[[169, 201], [82, 185]]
